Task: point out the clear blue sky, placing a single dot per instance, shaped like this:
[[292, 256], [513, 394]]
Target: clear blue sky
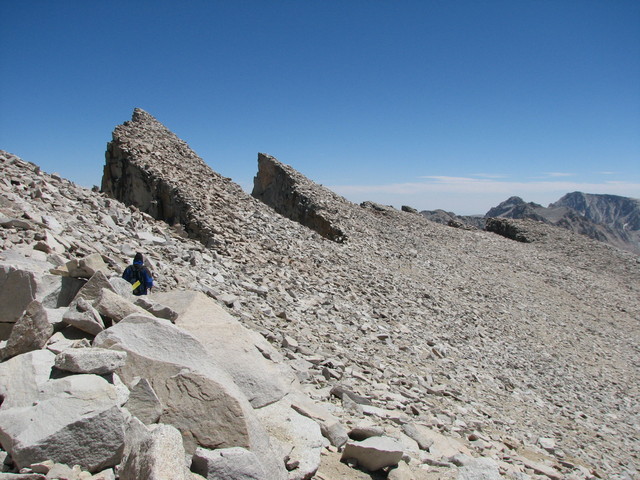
[[434, 104]]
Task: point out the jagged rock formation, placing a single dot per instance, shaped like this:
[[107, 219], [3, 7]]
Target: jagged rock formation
[[149, 167], [455, 343], [514, 229], [612, 210], [516, 207], [295, 197]]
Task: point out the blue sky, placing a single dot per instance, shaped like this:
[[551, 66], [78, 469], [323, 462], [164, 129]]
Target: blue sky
[[434, 104]]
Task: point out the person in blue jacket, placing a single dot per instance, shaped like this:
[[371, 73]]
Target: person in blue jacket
[[138, 276]]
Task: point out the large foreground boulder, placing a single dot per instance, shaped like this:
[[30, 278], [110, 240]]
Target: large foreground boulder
[[199, 398], [238, 350]]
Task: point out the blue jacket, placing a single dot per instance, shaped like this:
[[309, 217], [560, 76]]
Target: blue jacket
[[138, 272]]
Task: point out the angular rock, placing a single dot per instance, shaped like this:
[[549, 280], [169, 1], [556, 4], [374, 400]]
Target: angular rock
[[92, 289], [228, 464], [480, 469], [156, 309], [90, 360], [373, 453], [294, 196], [17, 291], [22, 378], [73, 420], [54, 291], [159, 455], [143, 402], [199, 398], [114, 307], [363, 431], [330, 426], [298, 435], [83, 316], [30, 332], [86, 267], [424, 442], [235, 348], [122, 288]]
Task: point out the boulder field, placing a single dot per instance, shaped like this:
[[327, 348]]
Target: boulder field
[[292, 329]]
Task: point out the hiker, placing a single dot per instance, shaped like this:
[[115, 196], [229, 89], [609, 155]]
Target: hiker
[[138, 276]]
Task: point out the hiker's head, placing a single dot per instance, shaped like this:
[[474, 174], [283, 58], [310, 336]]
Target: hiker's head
[[138, 258]]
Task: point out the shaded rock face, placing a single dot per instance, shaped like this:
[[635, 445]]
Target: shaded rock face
[[294, 196], [509, 228], [143, 165]]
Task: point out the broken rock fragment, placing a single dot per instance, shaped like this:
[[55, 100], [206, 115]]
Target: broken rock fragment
[[373, 453], [90, 360]]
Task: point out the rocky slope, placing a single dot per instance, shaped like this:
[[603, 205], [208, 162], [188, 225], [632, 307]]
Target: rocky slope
[[524, 355], [607, 218]]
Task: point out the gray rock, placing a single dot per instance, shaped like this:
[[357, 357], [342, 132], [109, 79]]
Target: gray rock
[[156, 309], [235, 348], [72, 420], [31, 332], [330, 426], [83, 316], [17, 291], [424, 442], [299, 436], [228, 464], [199, 398], [363, 431], [86, 267], [143, 402], [22, 378], [90, 360], [114, 307], [480, 469], [92, 289], [158, 455]]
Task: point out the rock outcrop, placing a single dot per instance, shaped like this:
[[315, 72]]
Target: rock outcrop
[[296, 197], [475, 353]]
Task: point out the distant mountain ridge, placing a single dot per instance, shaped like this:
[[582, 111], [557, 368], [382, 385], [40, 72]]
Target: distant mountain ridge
[[611, 219]]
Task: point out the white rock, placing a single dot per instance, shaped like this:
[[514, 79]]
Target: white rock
[[74, 420], [228, 464], [87, 266], [22, 378], [235, 348], [299, 435], [480, 469], [373, 453], [199, 398], [90, 360]]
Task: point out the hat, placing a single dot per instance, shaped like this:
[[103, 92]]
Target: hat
[[138, 258]]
